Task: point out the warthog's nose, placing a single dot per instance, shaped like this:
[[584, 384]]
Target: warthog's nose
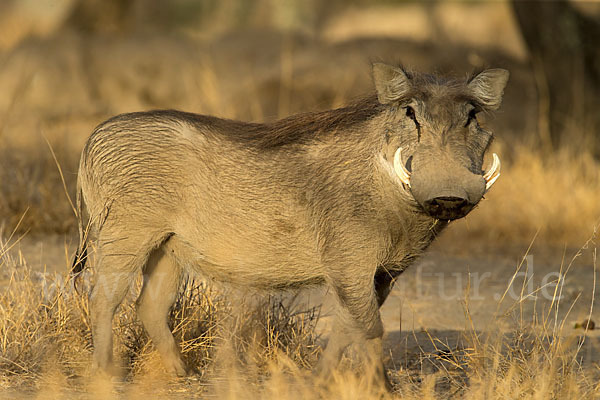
[[447, 207]]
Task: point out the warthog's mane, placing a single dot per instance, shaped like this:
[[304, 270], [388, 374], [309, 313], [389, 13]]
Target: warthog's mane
[[297, 128], [308, 126]]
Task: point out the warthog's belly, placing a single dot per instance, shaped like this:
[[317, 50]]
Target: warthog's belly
[[246, 264]]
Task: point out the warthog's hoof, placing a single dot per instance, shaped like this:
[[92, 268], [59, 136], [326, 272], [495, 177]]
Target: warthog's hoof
[[176, 367], [110, 372]]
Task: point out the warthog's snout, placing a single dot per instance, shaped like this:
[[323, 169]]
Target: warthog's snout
[[447, 191], [447, 207]]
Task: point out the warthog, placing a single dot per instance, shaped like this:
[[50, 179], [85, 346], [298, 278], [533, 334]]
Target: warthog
[[347, 197]]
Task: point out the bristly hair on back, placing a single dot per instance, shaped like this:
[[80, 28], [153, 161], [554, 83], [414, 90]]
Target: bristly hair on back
[[308, 126], [298, 128]]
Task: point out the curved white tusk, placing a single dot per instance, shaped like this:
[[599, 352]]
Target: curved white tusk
[[493, 173], [401, 171]]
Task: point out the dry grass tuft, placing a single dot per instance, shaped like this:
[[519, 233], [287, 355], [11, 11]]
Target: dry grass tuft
[[32, 189], [41, 322], [45, 349], [45, 329], [554, 195]]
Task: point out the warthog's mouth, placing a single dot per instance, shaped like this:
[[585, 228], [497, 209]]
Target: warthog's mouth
[[490, 176]]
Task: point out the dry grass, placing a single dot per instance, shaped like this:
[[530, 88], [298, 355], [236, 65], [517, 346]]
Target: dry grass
[[45, 349], [554, 195], [31, 193], [45, 330]]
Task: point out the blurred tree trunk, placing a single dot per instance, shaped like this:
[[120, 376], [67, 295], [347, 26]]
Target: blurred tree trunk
[[91, 16], [564, 50]]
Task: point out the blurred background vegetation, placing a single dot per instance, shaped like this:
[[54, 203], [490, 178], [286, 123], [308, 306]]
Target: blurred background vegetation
[[66, 65]]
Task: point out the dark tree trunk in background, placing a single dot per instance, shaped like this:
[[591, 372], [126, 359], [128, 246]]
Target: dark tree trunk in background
[[564, 46], [92, 16]]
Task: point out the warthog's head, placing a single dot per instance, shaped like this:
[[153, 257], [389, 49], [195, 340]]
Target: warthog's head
[[434, 142]]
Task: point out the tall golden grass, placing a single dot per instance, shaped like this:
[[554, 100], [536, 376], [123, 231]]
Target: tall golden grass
[[45, 350], [554, 195]]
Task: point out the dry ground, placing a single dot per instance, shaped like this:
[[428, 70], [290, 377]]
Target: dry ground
[[483, 315]]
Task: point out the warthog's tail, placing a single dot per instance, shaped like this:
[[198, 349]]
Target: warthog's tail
[[81, 255]]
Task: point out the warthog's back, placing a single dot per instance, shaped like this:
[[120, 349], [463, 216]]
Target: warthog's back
[[228, 206], [134, 157]]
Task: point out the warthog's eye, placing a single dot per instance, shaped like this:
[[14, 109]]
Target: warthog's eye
[[410, 113], [472, 116]]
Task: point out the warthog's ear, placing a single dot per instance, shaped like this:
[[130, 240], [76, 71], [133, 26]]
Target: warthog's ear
[[391, 83], [488, 87]]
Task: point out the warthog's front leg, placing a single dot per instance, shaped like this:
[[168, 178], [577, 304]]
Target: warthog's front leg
[[357, 321]]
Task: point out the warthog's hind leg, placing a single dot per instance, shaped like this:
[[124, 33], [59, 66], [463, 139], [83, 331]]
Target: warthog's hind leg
[[109, 290], [120, 258], [161, 282], [114, 276]]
